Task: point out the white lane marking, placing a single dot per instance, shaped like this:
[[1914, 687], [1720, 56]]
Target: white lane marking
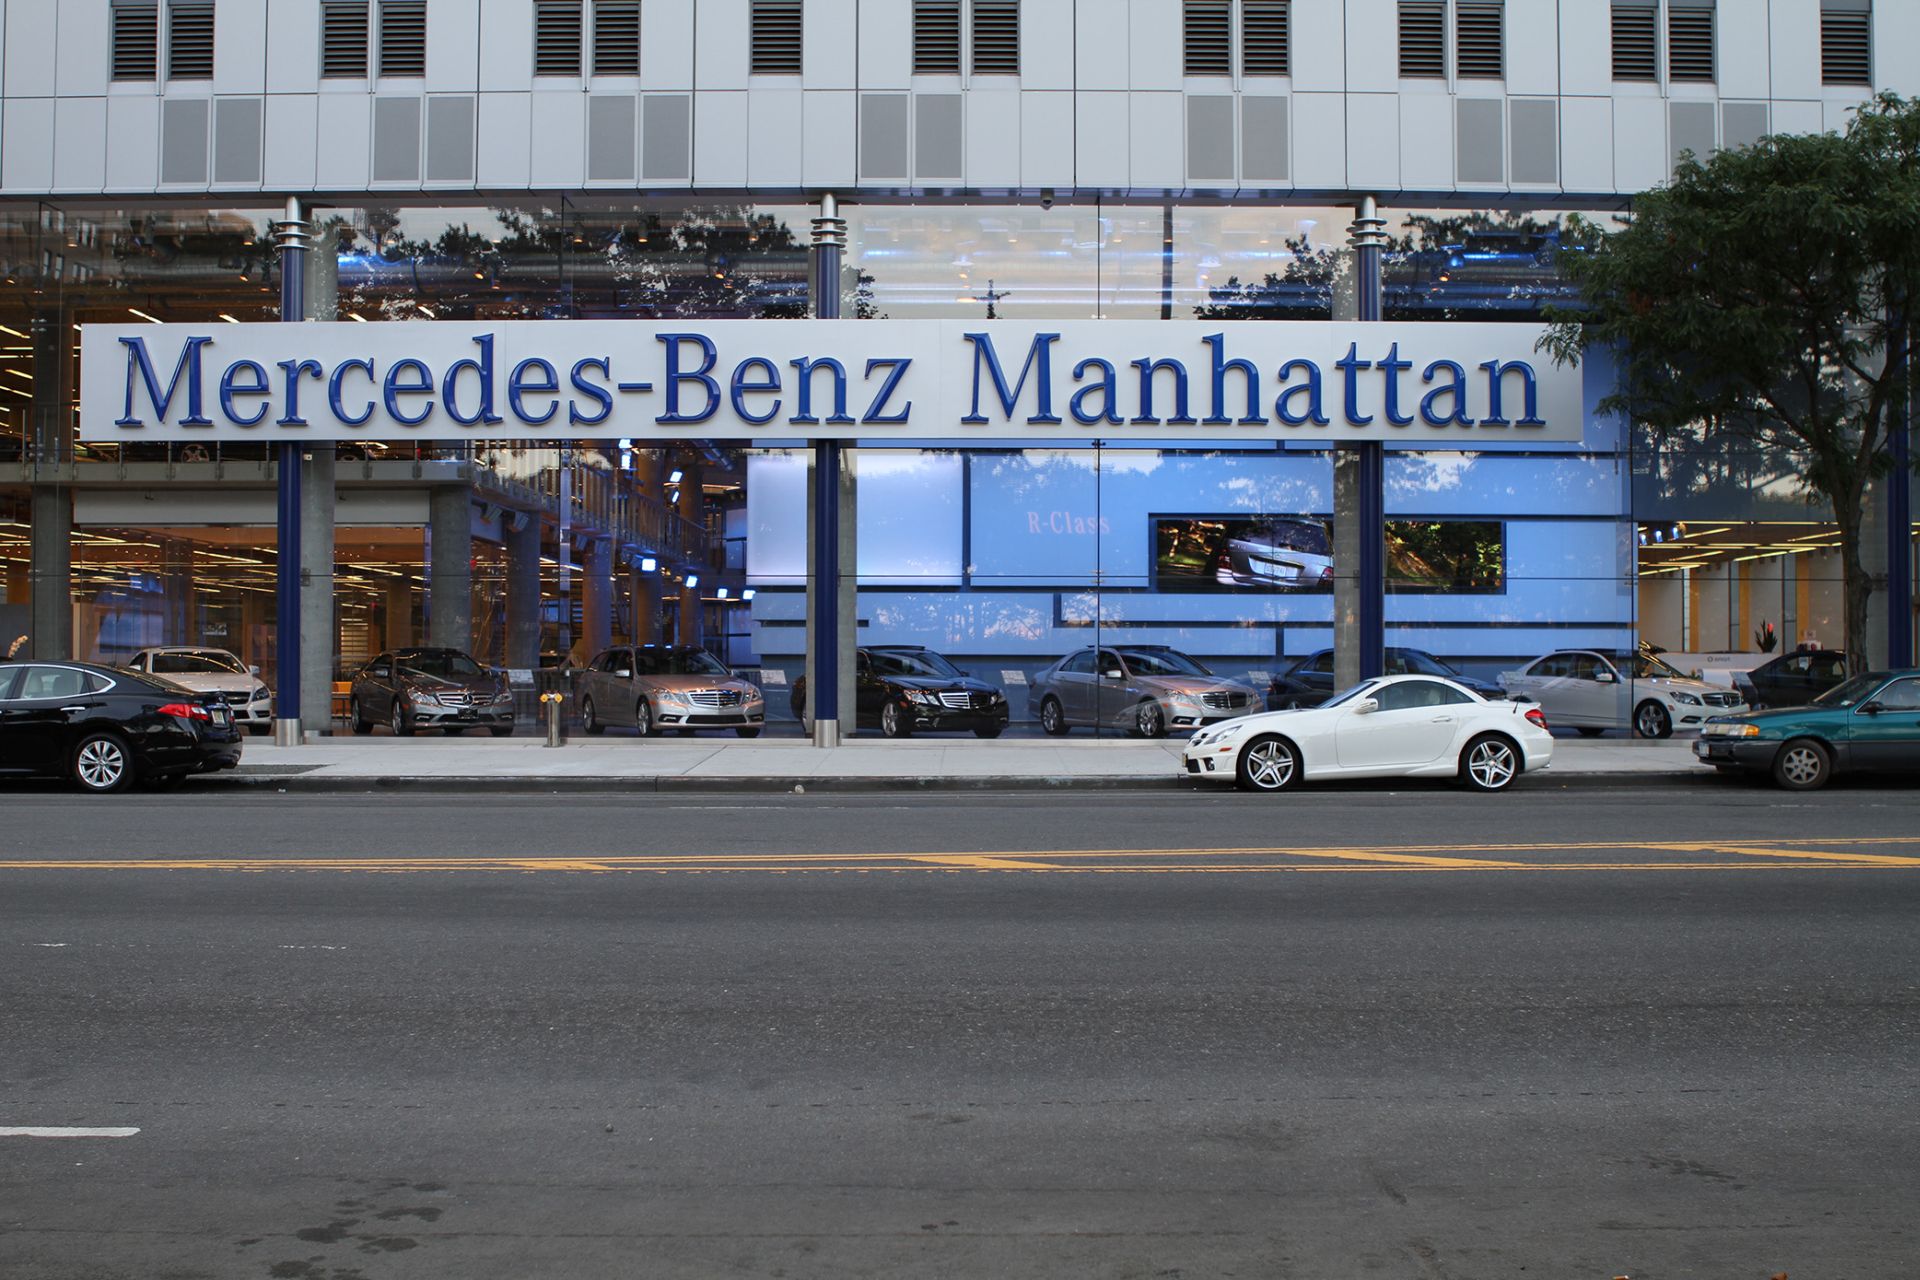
[[47, 944], [317, 947], [54, 1131]]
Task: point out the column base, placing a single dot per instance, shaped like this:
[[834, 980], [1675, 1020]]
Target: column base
[[826, 733], [287, 733]]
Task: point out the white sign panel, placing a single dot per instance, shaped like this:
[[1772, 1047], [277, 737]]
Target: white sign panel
[[1451, 385]]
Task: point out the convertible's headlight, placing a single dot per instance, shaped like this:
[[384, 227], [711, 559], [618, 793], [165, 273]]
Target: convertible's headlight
[[1689, 699]]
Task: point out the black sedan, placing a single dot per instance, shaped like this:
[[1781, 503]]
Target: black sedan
[[1308, 681], [1792, 679], [902, 688], [103, 728]]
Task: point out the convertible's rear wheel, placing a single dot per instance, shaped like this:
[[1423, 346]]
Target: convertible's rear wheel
[[1268, 764], [1490, 763], [1802, 765]]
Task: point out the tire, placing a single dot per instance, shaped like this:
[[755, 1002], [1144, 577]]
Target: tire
[[589, 721], [453, 731], [501, 731], [260, 730], [1589, 731], [643, 718], [357, 720], [685, 733], [1053, 718], [1490, 763], [1149, 721], [1650, 720], [989, 730], [402, 727], [748, 730], [1803, 764], [1268, 764], [893, 723], [101, 763]]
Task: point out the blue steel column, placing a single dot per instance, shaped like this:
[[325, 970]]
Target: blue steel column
[[292, 237], [1900, 518], [823, 682], [1369, 240]]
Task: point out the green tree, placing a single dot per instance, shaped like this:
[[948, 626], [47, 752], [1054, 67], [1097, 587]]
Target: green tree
[[1762, 298]]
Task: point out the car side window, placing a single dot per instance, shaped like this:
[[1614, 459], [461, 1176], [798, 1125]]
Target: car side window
[[9, 676], [51, 682], [1901, 695], [1079, 664], [1556, 665], [1407, 695], [1110, 661], [1322, 665], [1799, 664], [1583, 666]]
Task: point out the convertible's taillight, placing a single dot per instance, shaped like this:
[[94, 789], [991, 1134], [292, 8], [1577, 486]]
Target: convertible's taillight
[[1536, 716], [187, 711]]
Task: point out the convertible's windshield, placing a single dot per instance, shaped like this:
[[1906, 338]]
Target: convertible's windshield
[[1854, 690], [445, 663], [1349, 695], [1162, 662], [196, 664], [922, 662]]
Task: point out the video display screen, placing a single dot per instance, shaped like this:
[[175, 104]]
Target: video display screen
[[1295, 553]]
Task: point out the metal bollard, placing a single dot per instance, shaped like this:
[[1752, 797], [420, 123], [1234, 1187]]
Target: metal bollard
[[556, 724]]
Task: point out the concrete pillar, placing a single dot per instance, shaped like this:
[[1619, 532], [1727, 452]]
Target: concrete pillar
[[1347, 481], [450, 578], [51, 599], [522, 536], [649, 599], [596, 596], [399, 611]]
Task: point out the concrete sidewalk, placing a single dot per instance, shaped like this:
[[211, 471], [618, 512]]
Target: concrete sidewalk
[[729, 764]]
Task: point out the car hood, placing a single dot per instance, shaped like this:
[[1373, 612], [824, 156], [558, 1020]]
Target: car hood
[[208, 682], [941, 684], [690, 684], [1777, 717], [1196, 684], [1681, 685], [433, 684]]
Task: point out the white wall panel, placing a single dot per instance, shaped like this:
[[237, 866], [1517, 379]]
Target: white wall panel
[[1100, 140], [1320, 140], [506, 44], [1585, 54], [1319, 48], [80, 144], [830, 62], [775, 137], [719, 124], [886, 44], [453, 45], [82, 47], [1426, 145], [559, 154], [1740, 49], [1838, 108], [29, 50], [1797, 117], [1896, 36], [828, 147], [1046, 32], [1586, 144], [1154, 43], [1046, 139], [666, 44], [1373, 138], [1157, 150], [133, 145], [343, 157], [505, 157], [1533, 48], [993, 138], [26, 145], [289, 131], [1640, 158], [293, 45], [239, 48], [1795, 31], [720, 45], [1100, 53], [1370, 43]]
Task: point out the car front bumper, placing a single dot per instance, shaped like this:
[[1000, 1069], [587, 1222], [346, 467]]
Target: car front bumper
[[462, 717], [1743, 753], [671, 716]]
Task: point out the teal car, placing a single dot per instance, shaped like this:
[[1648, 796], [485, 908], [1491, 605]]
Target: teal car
[[1871, 722]]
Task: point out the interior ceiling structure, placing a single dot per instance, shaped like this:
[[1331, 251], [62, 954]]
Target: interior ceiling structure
[[1709, 544]]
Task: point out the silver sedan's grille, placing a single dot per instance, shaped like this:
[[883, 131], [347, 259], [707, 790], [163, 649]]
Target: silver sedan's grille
[[715, 697], [1223, 701]]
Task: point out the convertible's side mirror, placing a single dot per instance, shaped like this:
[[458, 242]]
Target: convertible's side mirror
[[1366, 706], [1603, 677]]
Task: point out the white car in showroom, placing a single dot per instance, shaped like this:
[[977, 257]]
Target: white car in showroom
[[1594, 691], [1392, 727], [206, 670]]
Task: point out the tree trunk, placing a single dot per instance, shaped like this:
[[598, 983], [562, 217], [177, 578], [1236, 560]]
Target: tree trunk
[[1856, 586]]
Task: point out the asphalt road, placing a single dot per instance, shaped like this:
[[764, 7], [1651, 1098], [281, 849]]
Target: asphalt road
[[1359, 1031]]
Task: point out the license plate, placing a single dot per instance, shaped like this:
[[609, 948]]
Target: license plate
[[222, 716]]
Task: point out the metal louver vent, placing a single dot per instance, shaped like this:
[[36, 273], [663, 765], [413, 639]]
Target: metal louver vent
[[1690, 43], [1264, 49], [343, 40], [936, 37], [1636, 42], [1423, 39], [136, 41], [778, 38], [996, 37], [1846, 46], [556, 37], [190, 41], [616, 37], [1479, 52], [403, 37], [1208, 26]]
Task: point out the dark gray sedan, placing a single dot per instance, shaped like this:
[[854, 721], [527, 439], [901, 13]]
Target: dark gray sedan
[[409, 689]]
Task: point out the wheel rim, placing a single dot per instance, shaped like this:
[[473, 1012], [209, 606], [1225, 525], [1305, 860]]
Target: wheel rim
[[1491, 764], [586, 713], [643, 719], [1651, 717], [1269, 765], [399, 718], [101, 764], [1050, 716], [1801, 765], [890, 719], [1148, 718]]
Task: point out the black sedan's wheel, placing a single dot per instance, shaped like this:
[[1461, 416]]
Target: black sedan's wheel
[[1652, 721], [1053, 718], [588, 720], [1802, 765], [1267, 764], [643, 718], [402, 727], [358, 718], [1149, 721], [101, 763], [895, 721], [1490, 763]]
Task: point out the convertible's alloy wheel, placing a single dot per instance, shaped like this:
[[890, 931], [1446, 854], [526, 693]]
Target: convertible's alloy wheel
[[1491, 764], [100, 764], [1268, 765]]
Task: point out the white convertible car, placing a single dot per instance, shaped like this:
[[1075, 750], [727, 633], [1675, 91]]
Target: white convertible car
[[1392, 727]]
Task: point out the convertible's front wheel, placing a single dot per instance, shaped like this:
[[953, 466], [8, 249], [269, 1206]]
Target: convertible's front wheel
[[1268, 764]]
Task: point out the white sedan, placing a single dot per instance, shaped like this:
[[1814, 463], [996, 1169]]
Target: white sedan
[[1392, 727]]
